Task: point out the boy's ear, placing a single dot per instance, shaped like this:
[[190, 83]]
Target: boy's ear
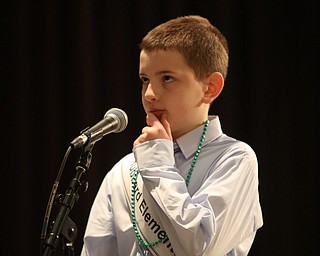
[[215, 83]]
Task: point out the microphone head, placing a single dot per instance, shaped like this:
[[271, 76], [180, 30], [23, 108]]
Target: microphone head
[[120, 116]]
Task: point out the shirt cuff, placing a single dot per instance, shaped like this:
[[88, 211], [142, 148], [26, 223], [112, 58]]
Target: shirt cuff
[[153, 153]]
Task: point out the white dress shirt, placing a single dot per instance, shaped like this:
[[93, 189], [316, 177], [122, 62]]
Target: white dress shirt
[[217, 214]]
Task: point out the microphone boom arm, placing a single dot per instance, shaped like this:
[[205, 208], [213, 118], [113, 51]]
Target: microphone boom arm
[[62, 224], [115, 120]]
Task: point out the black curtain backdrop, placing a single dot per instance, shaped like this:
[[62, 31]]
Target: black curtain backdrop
[[65, 63]]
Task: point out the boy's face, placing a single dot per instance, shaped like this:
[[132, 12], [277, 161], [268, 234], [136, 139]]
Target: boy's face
[[169, 86]]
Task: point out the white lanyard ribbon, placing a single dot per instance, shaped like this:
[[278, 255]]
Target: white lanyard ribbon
[[147, 220]]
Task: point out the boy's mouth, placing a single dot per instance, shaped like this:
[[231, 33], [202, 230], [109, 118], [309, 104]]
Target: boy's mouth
[[156, 112]]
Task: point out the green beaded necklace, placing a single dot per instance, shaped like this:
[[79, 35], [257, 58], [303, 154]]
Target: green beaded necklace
[[134, 186]]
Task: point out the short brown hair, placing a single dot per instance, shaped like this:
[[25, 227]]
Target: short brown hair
[[203, 46]]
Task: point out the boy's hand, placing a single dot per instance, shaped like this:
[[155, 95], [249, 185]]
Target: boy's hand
[[156, 129]]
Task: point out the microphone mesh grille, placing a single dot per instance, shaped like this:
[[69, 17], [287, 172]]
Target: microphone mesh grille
[[120, 115]]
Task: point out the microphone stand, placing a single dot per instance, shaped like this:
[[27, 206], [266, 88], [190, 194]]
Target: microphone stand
[[63, 225]]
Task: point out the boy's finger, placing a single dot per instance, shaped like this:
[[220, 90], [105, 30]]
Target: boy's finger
[[166, 124], [152, 119]]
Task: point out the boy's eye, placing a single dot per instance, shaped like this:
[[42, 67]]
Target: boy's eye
[[167, 79], [144, 80]]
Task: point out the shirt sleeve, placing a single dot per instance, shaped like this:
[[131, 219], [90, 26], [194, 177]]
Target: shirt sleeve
[[221, 214], [99, 238]]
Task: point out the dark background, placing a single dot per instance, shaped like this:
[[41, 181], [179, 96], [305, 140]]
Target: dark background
[[65, 63]]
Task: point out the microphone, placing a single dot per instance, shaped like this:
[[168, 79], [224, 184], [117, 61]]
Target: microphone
[[114, 120]]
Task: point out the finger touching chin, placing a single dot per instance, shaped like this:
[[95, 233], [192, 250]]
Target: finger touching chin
[[151, 117]]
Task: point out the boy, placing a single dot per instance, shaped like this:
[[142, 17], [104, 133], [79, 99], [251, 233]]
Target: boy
[[187, 188]]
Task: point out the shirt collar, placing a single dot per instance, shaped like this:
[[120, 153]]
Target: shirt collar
[[188, 143]]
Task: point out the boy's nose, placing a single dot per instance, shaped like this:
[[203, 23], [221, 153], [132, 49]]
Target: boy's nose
[[150, 93]]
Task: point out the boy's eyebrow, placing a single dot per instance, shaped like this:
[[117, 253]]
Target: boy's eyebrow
[[165, 72], [160, 72]]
